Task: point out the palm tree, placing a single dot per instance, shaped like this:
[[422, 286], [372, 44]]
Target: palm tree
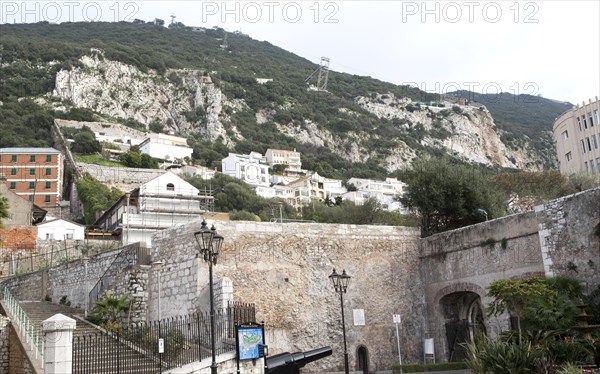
[[109, 308]]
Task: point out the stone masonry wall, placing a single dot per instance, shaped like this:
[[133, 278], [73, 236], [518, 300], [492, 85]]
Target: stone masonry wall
[[4, 347], [284, 270], [568, 241], [469, 259], [18, 362], [134, 283]]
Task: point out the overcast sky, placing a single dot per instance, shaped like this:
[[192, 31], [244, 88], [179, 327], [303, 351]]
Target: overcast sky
[[550, 48]]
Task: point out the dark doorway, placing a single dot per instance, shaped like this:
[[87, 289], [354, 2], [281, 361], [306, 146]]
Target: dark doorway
[[464, 322], [363, 359]]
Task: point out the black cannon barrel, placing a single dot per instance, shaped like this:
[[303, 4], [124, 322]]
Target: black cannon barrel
[[290, 363]]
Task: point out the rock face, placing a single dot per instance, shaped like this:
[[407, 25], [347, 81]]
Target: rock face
[[184, 100], [188, 102]]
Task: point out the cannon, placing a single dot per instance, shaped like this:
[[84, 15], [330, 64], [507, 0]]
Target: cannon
[[290, 363]]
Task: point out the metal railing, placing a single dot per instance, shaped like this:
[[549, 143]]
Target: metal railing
[[29, 333], [134, 347]]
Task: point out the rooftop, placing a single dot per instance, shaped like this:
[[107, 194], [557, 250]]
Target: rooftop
[[28, 150]]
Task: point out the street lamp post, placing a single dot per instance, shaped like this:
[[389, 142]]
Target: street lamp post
[[209, 246], [340, 284], [156, 266]]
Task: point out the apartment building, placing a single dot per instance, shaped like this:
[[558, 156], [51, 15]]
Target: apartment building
[[35, 174], [291, 159], [384, 191], [577, 136]]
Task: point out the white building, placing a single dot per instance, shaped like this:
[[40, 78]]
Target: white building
[[60, 229], [315, 187], [291, 159], [252, 168], [166, 201], [203, 172], [384, 191], [166, 147]]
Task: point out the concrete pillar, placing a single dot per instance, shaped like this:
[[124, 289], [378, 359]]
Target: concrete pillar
[[58, 352]]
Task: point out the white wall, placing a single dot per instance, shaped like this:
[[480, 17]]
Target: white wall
[[60, 230]]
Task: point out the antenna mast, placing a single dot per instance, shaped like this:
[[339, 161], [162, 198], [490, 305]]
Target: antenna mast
[[323, 76]]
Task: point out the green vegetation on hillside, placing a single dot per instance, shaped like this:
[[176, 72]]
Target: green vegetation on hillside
[[95, 197]]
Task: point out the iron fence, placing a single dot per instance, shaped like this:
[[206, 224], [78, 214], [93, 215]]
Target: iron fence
[[135, 347]]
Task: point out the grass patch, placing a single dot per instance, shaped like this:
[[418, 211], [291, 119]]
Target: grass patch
[[96, 159]]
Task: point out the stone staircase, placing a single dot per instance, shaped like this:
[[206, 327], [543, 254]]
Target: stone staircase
[[94, 351]]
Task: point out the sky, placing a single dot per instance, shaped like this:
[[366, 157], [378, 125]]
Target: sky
[[548, 48]]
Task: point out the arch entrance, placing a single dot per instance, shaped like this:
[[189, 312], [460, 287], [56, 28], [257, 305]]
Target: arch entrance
[[463, 320], [362, 356]]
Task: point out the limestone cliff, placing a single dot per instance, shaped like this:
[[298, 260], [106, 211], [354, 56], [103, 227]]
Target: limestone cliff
[[190, 103]]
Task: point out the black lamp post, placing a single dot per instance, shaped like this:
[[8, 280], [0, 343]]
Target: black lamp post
[[340, 284], [209, 245]]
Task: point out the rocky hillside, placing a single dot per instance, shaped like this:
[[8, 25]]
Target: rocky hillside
[[185, 80]]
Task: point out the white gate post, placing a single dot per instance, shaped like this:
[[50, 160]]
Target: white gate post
[[58, 351]]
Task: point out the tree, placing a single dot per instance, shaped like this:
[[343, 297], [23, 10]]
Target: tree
[[448, 195], [514, 295], [3, 209], [110, 308], [86, 143]]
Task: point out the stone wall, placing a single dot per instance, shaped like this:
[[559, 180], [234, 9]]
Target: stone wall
[[18, 362], [567, 237], [468, 259], [73, 280], [134, 283], [284, 270], [5, 327]]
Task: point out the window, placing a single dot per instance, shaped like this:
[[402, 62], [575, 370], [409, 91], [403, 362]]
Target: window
[[50, 235], [13, 171], [594, 142], [47, 198], [568, 156], [32, 158], [48, 158], [30, 197], [597, 116], [592, 167], [13, 158], [170, 187], [583, 145], [598, 164], [589, 144], [565, 135], [31, 185], [587, 168], [48, 185], [70, 234], [31, 171], [584, 122], [13, 185], [48, 171], [591, 119]]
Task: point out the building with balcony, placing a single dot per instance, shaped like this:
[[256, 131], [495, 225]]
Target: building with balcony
[[252, 168], [35, 174], [384, 191], [291, 160], [577, 136], [166, 201]]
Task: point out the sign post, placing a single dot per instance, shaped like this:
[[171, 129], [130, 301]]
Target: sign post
[[397, 321]]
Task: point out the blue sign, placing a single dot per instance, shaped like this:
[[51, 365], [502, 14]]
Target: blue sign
[[249, 338]]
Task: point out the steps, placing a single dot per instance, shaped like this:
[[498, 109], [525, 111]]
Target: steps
[[94, 351]]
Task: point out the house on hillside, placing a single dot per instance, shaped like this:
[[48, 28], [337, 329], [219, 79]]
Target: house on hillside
[[291, 160], [384, 191], [163, 202], [315, 187], [166, 147], [252, 168], [60, 229]]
